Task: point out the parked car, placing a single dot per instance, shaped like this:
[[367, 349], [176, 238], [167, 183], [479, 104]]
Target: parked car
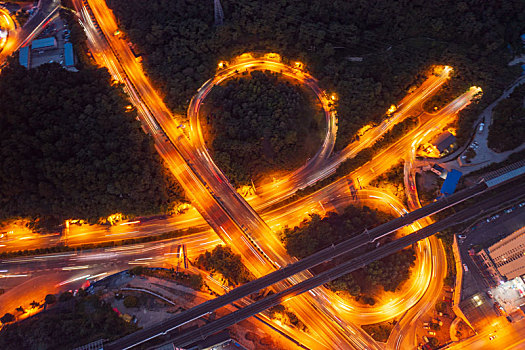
[[481, 126], [431, 333], [462, 236], [465, 267]]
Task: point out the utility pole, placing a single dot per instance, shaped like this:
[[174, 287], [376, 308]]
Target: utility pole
[[219, 15]]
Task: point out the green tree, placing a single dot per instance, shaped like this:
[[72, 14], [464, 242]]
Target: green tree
[[65, 296], [260, 124], [221, 259], [508, 122], [7, 318], [70, 149], [131, 301], [50, 299]]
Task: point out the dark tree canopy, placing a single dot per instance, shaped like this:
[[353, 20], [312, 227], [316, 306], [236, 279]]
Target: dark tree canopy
[[259, 124], [65, 326], [398, 41], [69, 149], [507, 130], [318, 233], [221, 259]]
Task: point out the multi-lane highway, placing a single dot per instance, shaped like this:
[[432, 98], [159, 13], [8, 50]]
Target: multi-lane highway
[[403, 335], [473, 211], [249, 232], [502, 335], [214, 197], [317, 258], [234, 220]]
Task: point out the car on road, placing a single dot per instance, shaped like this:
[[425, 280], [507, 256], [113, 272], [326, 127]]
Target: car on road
[[462, 236], [492, 337], [481, 126], [431, 333], [508, 211]]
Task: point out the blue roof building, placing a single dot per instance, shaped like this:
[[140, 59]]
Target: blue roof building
[[68, 55], [23, 56], [45, 43], [451, 182]]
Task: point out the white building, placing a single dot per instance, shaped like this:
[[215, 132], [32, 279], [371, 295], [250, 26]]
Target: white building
[[506, 259]]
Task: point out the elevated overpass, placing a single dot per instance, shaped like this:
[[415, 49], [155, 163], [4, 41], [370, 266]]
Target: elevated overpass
[[369, 236], [187, 338]]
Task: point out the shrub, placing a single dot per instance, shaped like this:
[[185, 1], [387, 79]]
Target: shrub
[[50, 299], [131, 301]]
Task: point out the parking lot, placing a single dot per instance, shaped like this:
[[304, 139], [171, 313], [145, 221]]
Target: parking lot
[[482, 234], [491, 229], [59, 30]]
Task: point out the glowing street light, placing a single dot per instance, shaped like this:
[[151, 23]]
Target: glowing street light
[[391, 110]]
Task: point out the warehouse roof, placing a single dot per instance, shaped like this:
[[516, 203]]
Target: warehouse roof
[[23, 56], [449, 186], [68, 55], [43, 43]]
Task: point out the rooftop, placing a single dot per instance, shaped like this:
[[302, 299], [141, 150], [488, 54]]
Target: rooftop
[[68, 55], [444, 141], [23, 56], [45, 42], [449, 186]]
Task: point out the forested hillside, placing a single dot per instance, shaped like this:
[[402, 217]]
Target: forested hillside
[[398, 42], [262, 123], [70, 149], [319, 233], [507, 130]]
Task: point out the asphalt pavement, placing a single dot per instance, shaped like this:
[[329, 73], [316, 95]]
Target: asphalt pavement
[[349, 266]]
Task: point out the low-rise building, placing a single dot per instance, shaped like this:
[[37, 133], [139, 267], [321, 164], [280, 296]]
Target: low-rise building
[[444, 142], [24, 57], [451, 182], [69, 55], [44, 43]]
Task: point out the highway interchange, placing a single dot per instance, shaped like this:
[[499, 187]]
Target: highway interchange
[[248, 225]]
